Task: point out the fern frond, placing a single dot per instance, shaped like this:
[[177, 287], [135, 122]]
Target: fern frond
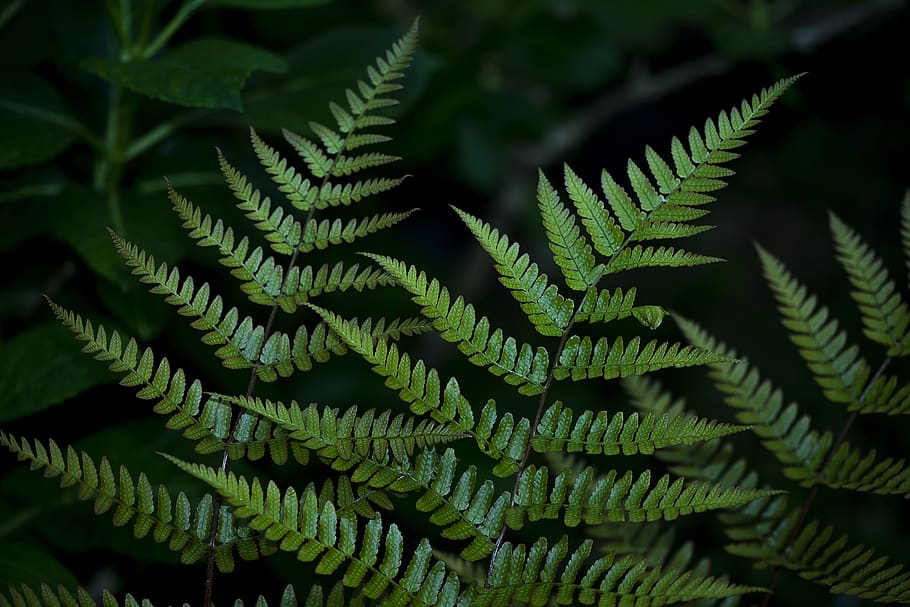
[[570, 248], [546, 309], [240, 342], [662, 230], [63, 597], [883, 396], [300, 526], [334, 435], [337, 194], [262, 277], [597, 498], [583, 359], [596, 433], [421, 389], [885, 314], [837, 367], [183, 525], [519, 365], [801, 449], [650, 257], [814, 555], [321, 234], [606, 236], [304, 283], [280, 228], [296, 187], [605, 305], [654, 543], [535, 574]]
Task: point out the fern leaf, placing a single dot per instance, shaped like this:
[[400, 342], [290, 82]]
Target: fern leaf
[[280, 228], [570, 249], [304, 283], [152, 512], [884, 396], [547, 310], [321, 234], [337, 194], [262, 276], [814, 555], [583, 359], [885, 314], [333, 435], [605, 305], [649, 257], [596, 433], [594, 499], [535, 574], [837, 367], [905, 228], [240, 341], [319, 164], [605, 234], [293, 185], [519, 365], [312, 532], [662, 230], [801, 449], [422, 390]]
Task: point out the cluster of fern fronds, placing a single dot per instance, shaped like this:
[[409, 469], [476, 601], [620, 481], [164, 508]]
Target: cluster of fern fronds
[[374, 458]]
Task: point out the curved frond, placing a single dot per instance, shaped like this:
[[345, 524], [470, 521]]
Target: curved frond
[[605, 234], [650, 257], [583, 359], [24, 596], [570, 248], [815, 555], [321, 234], [153, 512], [518, 364], [837, 367], [306, 282], [596, 433], [594, 499], [885, 314], [546, 309], [538, 575], [334, 435], [293, 185], [280, 228], [299, 525], [789, 436]]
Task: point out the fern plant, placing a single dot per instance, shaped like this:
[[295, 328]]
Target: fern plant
[[772, 531], [375, 458]]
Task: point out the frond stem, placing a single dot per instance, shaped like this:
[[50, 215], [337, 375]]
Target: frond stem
[[804, 511]]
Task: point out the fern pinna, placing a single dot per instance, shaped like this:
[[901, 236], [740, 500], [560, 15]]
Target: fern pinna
[[378, 457], [772, 531]]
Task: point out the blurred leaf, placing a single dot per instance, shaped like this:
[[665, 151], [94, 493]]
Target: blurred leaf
[[208, 72], [41, 367], [262, 5], [38, 183], [22, 564], [80, 222], [34, 123]]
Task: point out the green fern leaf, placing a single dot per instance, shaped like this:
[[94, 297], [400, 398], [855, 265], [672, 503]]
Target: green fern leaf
[[605, 305], [330, 537], [583, 359], [296, 187], [570, 250], [815, 556], [593, 499], [885, 314], [321, 234], [531, 574], [280, 228], [605, 234], [647, 257], [547, 310], [519, 365], [304, 283], [628, 214], [153, 512], [838, 368], [344, 436], [596, 433], [658, 230]]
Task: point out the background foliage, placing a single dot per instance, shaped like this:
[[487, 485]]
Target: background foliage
[[498, 89]]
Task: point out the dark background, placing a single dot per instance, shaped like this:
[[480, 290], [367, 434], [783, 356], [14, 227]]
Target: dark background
[[498, 90]]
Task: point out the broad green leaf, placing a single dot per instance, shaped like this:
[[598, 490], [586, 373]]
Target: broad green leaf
[[34, 123], [42, 367], [209, 72]]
